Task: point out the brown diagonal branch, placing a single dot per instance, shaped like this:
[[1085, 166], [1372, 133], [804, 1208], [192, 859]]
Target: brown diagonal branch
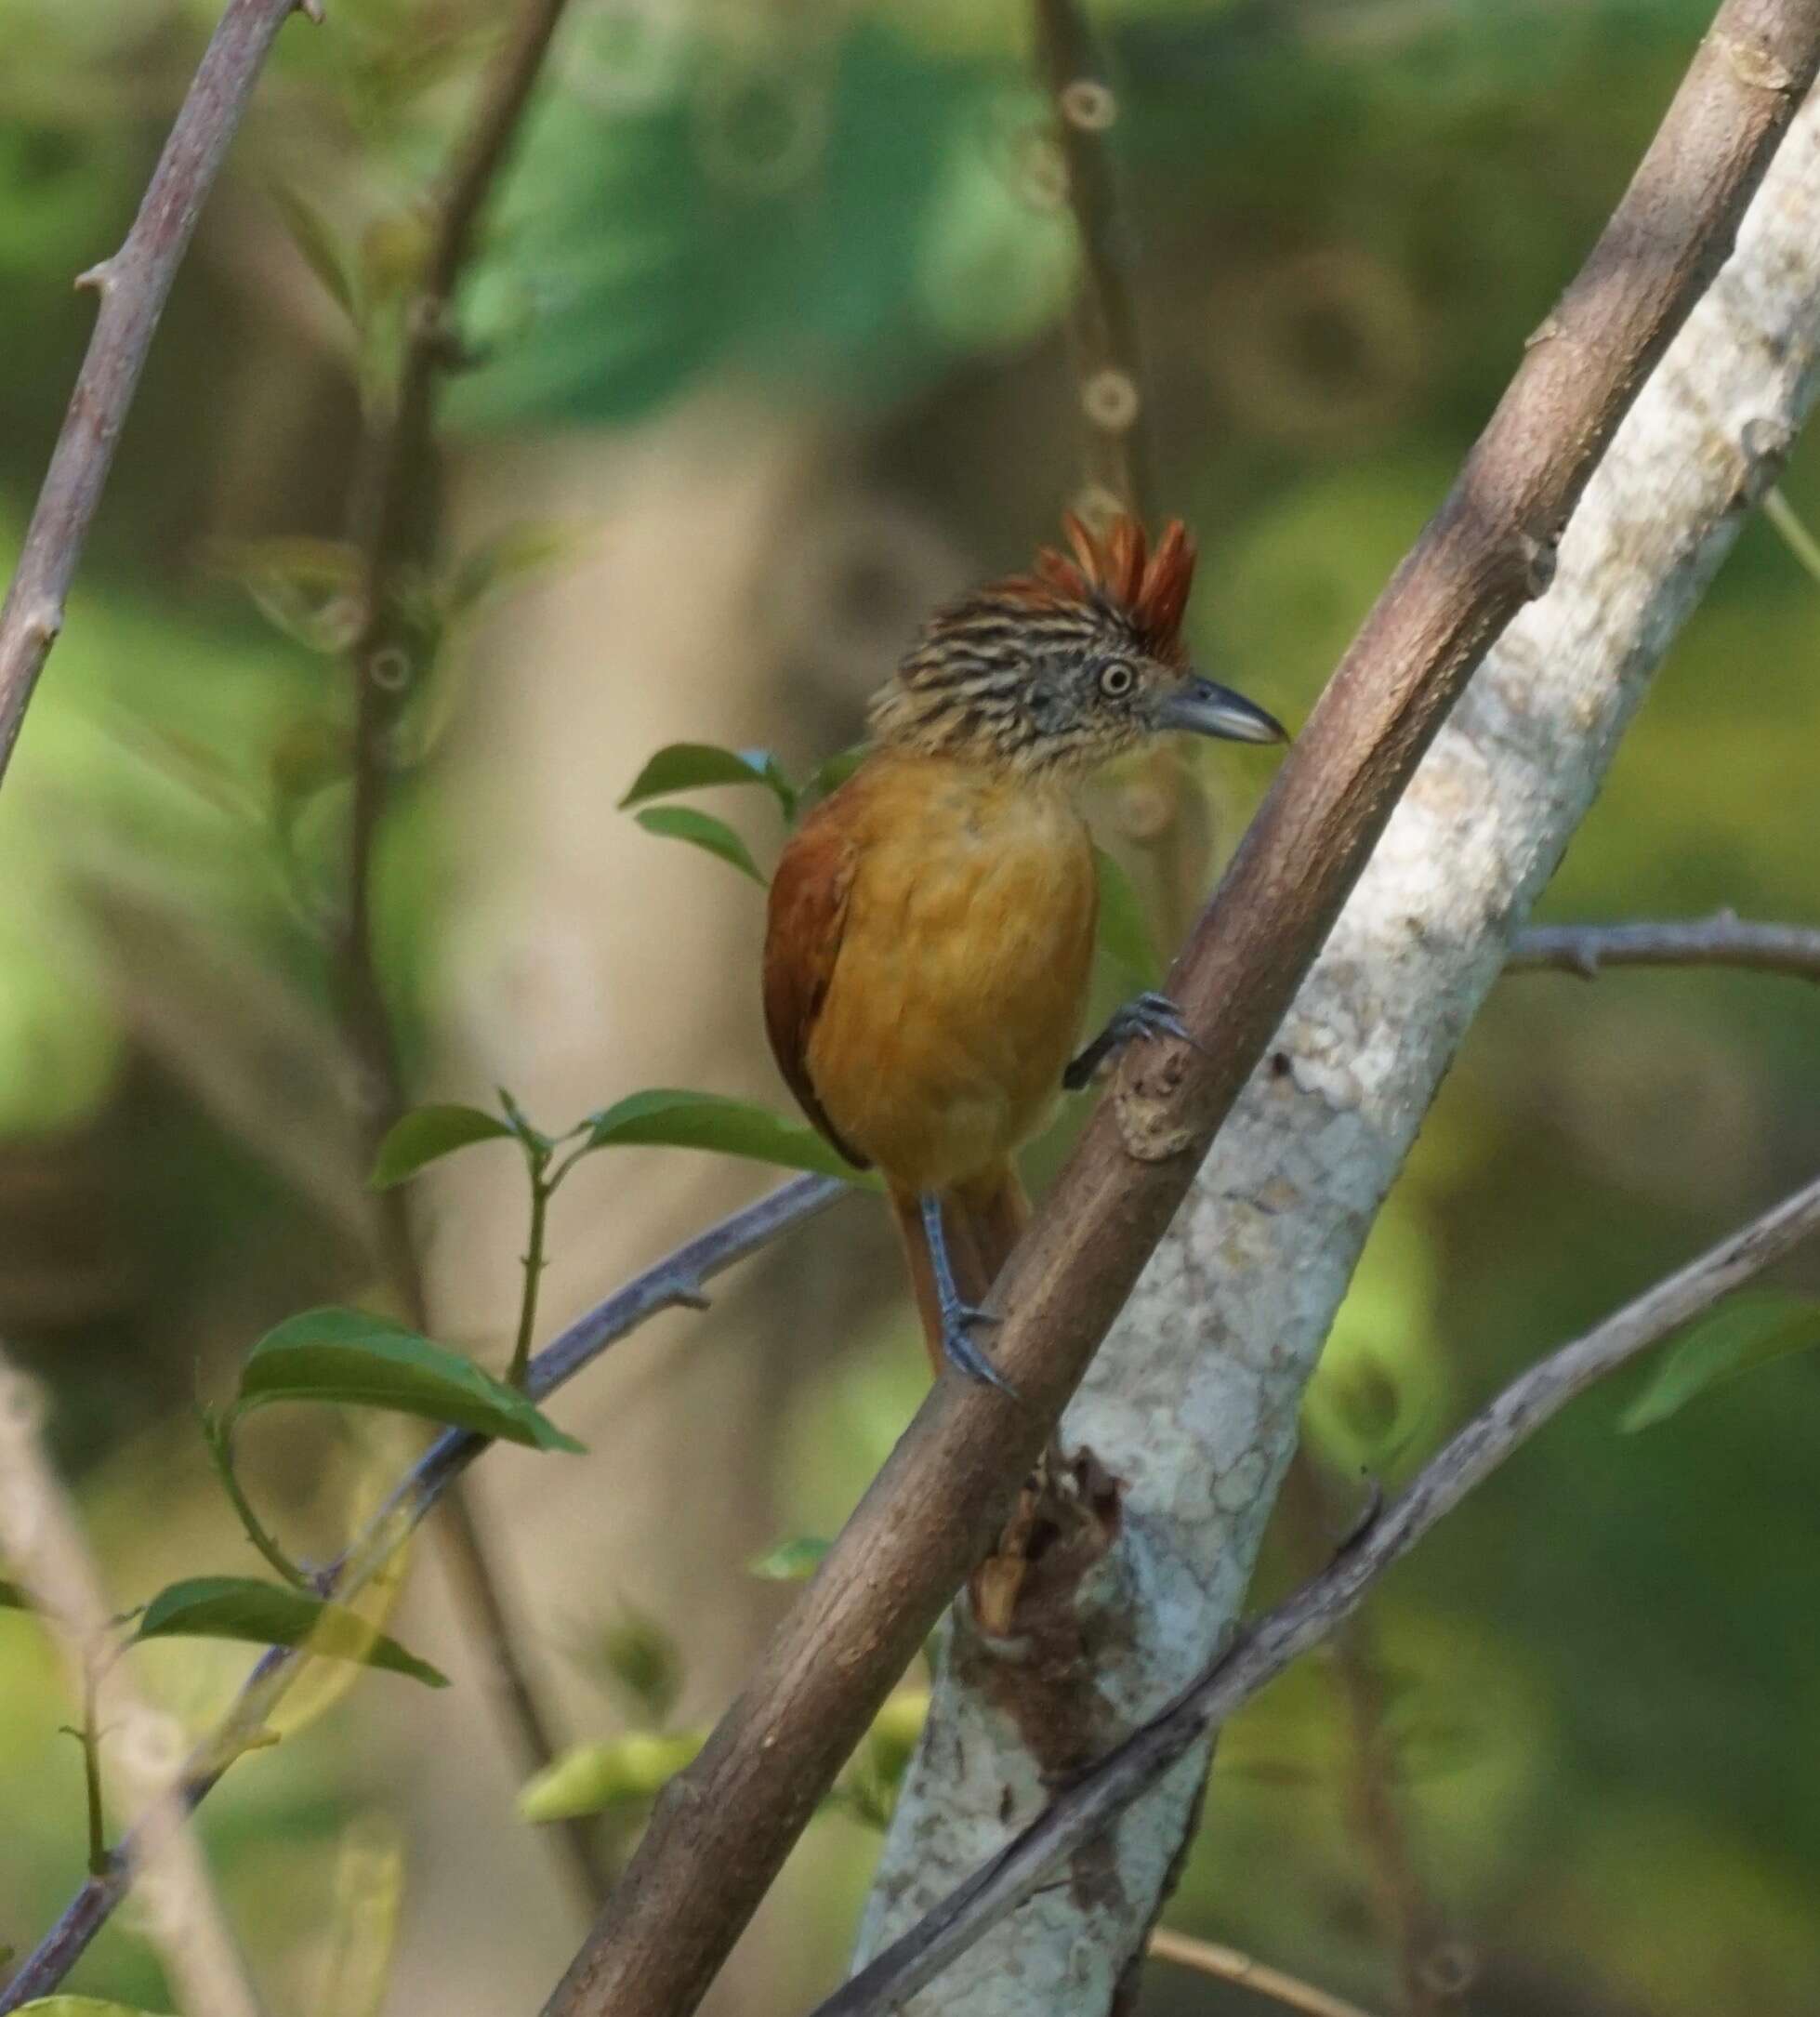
[[1725, 940], [133, 286], [1263, 1649], [722, 1830], [676, 1282]]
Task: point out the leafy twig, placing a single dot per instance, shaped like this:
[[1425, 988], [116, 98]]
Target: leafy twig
[[1263, 1649], [674, 1282], [133, 286]]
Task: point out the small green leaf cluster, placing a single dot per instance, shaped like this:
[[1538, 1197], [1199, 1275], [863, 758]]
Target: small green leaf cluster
[[680, 766]]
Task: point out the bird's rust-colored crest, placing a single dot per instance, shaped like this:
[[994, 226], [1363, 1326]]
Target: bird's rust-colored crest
[[1149, 587]]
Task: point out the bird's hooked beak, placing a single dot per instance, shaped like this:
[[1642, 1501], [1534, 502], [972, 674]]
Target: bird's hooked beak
[[1204, 708]]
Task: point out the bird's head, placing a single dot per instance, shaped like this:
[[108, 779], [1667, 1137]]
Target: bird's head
[[1062, 669]]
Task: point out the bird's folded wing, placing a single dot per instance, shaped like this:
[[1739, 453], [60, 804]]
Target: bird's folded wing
[[808, 897]]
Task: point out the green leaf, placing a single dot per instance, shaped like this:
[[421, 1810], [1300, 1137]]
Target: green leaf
[[702, 830], [306, 588], [694, 766], [258, 1613], [504, 561], [322, 247], [359, 1360], [309, 754], [429, 1132], [645, 1660], [1741, 1335], [591, 1778], [1123, 931], [12, 1598], [665, 1117], [790, 1561], [832, 772]]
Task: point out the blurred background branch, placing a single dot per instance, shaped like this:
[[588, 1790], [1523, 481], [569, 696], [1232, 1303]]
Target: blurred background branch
[[392, 529]]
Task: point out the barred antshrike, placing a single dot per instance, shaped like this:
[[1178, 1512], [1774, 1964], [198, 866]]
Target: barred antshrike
[[931, 922]]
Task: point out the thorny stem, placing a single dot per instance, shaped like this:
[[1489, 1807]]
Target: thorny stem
[[677, 1282]]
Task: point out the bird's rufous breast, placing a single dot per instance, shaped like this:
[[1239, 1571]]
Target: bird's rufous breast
[[961, 979]]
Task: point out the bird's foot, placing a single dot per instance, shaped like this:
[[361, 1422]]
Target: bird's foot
[[958, 1348], [1140, 1019]]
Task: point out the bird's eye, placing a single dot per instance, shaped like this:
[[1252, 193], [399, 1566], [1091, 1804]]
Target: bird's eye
[[1116, 680]]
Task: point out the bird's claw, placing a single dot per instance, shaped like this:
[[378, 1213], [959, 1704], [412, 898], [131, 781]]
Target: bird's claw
[[959, 1349], [1149, 1015], [1140, 1019]]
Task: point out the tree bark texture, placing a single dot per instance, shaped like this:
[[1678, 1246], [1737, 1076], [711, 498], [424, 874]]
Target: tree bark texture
[[1190, 1406]]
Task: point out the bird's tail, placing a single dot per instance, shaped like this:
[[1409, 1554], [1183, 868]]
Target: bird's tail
[[981, 1219]]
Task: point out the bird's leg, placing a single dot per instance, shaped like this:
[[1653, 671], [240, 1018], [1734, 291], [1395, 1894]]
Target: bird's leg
[[1142, 1017], [956, 1314]]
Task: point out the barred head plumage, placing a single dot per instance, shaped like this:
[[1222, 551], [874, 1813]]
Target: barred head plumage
[[1065, 666]]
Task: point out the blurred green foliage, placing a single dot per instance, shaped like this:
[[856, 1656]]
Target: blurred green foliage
[[1347, 215]]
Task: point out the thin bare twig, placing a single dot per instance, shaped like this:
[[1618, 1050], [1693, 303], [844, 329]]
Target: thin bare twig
[[41, 1539], [1228, 1964], [677, 1282], [1263, 1649], [1724, 940], [392, 527], [133, 286], [722, 1829]]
